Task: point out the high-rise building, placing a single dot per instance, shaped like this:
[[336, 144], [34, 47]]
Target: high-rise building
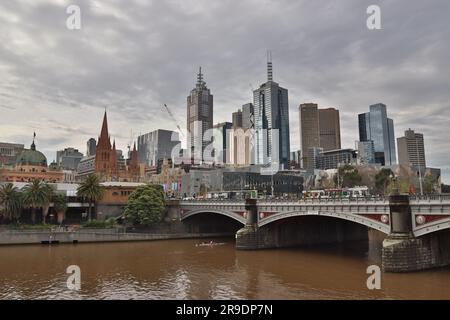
[[199, 115], [240, 147], [411, 149], [329, 129], [91, 147], [319, 128], [68, 159], [272, 144], [376, 126], [366, 152], [156, 145], [224, 127], [248, 119], [237, 119]]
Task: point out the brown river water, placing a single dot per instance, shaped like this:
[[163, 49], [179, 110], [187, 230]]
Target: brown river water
[[178, 269]]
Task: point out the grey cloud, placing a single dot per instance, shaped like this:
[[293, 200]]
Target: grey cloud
[[134, 56]]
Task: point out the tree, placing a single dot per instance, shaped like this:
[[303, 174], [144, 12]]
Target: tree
[[429, 183], [50, 190], [60, 206], [92, 190], [11, 201], [382, 180], [145, 205], [347, 177], [36, 194]]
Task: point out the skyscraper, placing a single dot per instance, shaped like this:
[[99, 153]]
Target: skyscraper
[[376, 126], [224, 127], [319, 128], [156, 145], [68, 158], [248, 120], [91, 146], [329, 129], [411, 149], [199, 115], [237, 119], [271, 107]]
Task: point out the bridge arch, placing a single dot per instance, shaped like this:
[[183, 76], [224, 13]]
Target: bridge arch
[[379, 226], [229, 214], [432, 227]]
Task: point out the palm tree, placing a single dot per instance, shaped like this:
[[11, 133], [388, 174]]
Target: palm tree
[[60, 206], [37, 194], [92, 190], [11, 201], [49, 190]]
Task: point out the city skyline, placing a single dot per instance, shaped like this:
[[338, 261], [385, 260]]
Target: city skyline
[[134, 82]]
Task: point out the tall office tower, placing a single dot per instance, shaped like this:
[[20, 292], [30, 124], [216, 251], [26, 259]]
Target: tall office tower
[[366, 152], [329, 129], [319, 128], [237, 119], [411, 149], [199, 115], [248, 119], [91, 147], [376, 126], [224, 127], [156, 145], [271, 107]]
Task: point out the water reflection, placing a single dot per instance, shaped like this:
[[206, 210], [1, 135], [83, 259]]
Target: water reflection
[[180, 270]]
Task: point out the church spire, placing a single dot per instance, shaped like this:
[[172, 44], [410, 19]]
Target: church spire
[[104, 133]]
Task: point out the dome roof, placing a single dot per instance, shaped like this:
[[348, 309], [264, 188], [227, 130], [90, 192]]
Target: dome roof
[[31, 157]]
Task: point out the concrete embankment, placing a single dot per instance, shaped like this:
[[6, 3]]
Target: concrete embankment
[[88, 236]]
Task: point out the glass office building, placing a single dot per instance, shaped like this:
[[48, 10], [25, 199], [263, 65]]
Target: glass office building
[[271, 115], [377, 127]]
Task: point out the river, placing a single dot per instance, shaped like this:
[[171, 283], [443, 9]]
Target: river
[[178, 269]]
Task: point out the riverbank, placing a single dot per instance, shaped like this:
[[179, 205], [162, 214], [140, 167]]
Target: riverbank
[[15, 237]]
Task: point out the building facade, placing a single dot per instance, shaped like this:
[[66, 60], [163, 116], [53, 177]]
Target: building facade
[[237, 119], [9, 153], [376, 126], [199, 117], [91, 147], [30, 165], [333, 159], [366, 152], [68, 159], [224, 128], [411, 149], [248, 116], [271, 114], [156, 145], [319, 128]]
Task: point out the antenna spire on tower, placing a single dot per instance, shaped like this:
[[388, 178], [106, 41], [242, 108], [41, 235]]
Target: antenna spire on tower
[[269, 66], [200, 76]]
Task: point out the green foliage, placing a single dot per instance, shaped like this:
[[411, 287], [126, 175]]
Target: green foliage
[[382, 180], [145, 205], [60, 203], [401, 184], [100, 224], [37, 194], [11, 201], [429, 183], [347, 177], [92, 190]]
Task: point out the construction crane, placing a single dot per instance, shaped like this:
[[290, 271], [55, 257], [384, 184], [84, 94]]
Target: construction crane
[[174, 120]]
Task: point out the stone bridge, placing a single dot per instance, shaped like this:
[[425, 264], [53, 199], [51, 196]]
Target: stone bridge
[[428, 214], [414, 228]]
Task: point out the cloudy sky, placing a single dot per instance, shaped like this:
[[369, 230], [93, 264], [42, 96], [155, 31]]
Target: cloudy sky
[[132, 56]]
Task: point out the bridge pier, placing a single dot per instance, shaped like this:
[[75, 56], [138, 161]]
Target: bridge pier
[[402, 251], [247, 238]]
